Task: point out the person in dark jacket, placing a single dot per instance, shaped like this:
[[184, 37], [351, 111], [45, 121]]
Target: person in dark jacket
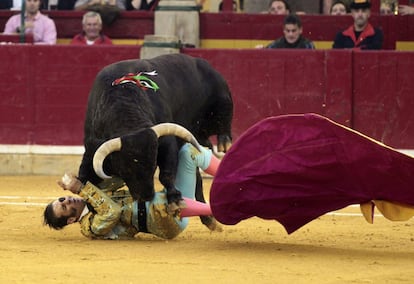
[[361, 35], [292, 35]]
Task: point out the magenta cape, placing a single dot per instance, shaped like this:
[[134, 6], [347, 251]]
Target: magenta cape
[[295, 168]]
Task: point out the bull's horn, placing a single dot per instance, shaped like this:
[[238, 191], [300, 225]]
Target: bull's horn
[[164, 129], [103, 151]]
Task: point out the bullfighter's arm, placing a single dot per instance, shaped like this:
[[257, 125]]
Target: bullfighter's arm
[[106, 213], [110, 186]]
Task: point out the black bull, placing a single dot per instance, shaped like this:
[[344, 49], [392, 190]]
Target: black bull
[[191, 93]]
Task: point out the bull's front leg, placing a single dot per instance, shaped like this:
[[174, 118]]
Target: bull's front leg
[[168, 162]]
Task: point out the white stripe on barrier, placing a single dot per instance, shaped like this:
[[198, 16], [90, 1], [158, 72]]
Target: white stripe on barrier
[[78, 150], [42, 149]]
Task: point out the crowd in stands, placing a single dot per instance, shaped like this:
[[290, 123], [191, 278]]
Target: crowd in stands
[[360, 35], [274, 7], [84, 4]]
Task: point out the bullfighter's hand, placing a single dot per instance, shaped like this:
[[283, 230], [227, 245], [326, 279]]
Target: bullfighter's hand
[[71, 183]]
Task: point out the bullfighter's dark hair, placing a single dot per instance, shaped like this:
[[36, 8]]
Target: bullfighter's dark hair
[[292, 19], [50, 219]]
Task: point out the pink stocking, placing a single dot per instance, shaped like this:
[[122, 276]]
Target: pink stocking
[[195, 208], [213, 166]]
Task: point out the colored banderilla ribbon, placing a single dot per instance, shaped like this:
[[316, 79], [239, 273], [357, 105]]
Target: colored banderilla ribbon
[[140, 79]]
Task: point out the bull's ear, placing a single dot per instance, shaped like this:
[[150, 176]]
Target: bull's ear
[[144, 140]]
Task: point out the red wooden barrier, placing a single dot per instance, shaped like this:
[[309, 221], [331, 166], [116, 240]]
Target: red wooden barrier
[[273, 82], [383, 96], [45, 89]]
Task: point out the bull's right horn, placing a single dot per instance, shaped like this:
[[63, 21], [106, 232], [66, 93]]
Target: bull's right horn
[[164, 129], [103, 151]]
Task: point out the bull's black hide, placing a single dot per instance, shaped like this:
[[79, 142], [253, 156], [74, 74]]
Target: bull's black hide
[[191, 93]]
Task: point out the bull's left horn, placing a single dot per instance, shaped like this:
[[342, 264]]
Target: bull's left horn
[[164, 129], [103, 151]]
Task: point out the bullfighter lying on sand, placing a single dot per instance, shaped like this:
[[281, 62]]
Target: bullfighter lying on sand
[[112, 213]]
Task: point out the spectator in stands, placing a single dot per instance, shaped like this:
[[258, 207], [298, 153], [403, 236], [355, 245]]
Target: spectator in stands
[[108, 9], [279, 7], [141, 4], [92, 31], [361, 35], [339, 8], [406, 10], [387, 8], [40, 26], [292, 35]]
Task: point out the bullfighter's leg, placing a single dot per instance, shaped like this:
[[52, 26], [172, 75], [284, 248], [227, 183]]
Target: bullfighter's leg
[[195, 208], [189, 162], [208, 220]]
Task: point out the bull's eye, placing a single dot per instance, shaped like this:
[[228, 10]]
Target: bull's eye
[[135, 160]]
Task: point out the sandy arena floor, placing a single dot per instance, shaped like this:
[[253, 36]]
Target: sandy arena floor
[[338, 248]]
